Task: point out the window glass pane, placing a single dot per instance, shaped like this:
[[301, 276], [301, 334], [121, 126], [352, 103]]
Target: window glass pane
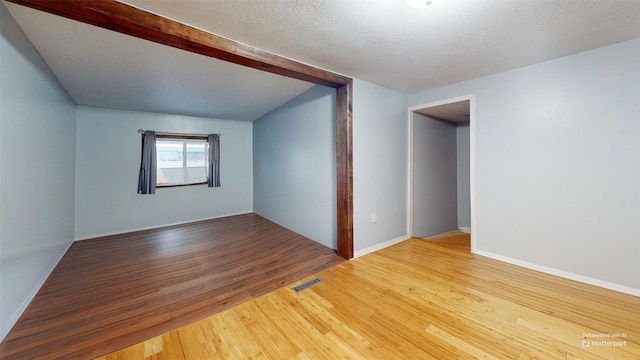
[[169, 154], [175, 166], [196, 166]]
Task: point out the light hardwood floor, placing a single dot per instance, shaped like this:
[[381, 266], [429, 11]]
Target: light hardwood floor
[[421, 299]]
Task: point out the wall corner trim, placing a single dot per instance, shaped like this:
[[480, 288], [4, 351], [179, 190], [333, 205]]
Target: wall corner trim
[[125, 231], [15, 317], [380, 246], [560, 273]]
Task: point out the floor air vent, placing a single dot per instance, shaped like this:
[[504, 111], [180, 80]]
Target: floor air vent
[[306, 285]]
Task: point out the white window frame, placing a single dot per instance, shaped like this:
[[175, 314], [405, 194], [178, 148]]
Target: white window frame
[[185, 139]]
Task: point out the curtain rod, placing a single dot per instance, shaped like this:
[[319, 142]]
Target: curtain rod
[[140, 131]]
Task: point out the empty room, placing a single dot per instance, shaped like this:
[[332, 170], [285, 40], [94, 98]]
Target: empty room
[[319, 179]]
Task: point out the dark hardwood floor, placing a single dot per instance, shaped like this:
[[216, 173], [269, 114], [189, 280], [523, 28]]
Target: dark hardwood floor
[[116, 291]]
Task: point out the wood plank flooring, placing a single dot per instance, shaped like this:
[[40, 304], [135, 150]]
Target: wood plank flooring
[[421, 299], [113, 292]]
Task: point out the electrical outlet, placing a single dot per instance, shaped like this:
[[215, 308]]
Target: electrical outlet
[[374, 217]]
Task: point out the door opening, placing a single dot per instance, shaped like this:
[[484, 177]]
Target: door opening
[[441, 194]]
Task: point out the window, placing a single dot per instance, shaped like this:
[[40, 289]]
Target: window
[[181, 160]]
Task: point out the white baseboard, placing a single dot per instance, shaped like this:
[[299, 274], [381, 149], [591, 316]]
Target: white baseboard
[[16, 316], [380, 246], [89, 237], [561, 273], [465, 229]]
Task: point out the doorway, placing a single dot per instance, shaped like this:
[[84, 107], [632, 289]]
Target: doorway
[[441, 194]]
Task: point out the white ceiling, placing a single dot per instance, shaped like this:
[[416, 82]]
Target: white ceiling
[[456, 111], [384, 42], [391, 44]]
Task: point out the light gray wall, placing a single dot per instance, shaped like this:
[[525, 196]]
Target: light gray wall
[[557, 162], [463, 160], [379, 164], [37, 149], [435, 207], [295, 165], [108, 160]]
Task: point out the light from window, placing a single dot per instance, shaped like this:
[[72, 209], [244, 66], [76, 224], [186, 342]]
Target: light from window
[[181, 162]]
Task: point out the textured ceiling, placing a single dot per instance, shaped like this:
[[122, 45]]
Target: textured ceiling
[[391, 44], [384, 42]]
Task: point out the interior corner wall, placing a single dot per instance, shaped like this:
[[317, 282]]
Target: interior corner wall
[[295, 165], [463, 174], [435, 164], [556, 164], [380, 156], [37, 152], [108, 161]]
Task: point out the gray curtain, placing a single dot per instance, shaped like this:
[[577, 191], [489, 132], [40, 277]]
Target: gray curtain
[[213, 177], [147, 176]]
